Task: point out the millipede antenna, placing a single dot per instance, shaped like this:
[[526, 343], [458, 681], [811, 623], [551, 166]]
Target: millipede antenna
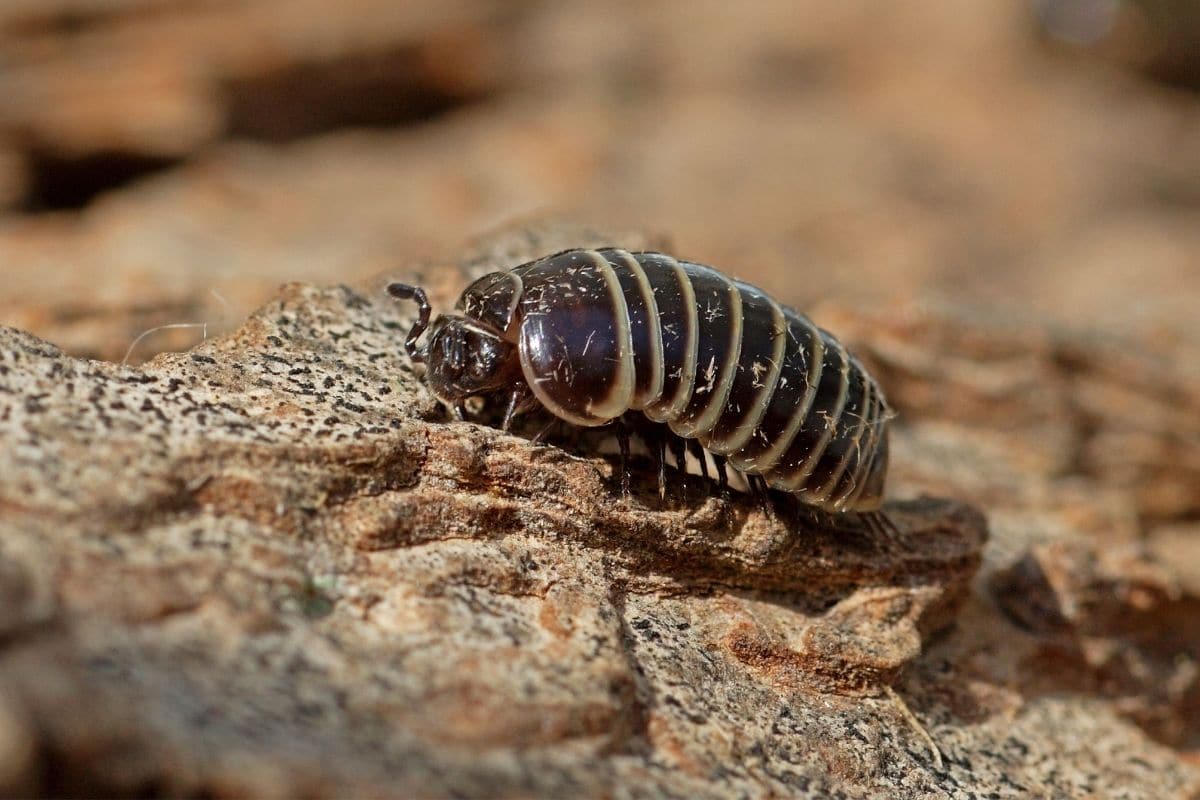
[[402, 291]]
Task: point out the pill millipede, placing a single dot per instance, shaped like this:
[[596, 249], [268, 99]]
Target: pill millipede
[[712, 364]]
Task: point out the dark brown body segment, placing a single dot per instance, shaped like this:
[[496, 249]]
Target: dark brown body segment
[[492, 300], [575, 343], [643, 326], [601, 333], [826, 467], [676, 302], [759, 367], [820, 423], [789, 402], [853, 471], [718, 349]]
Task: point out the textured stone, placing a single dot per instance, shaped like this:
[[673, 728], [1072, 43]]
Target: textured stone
[[271, 565]]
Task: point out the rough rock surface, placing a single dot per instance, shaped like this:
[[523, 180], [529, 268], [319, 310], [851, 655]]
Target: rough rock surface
[[271, 566]]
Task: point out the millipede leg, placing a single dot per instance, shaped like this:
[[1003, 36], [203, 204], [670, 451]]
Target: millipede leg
[[722, 472], [761, 492], [678, 449], [696, 450], [623, 443], [511, 411], [880, 524], [540, 435], [519, 402], [659, 450], [652, 437]]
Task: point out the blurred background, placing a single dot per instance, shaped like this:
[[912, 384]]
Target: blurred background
[[167, 161], [996, 202]]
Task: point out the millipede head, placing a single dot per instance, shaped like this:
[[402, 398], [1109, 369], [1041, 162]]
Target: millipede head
[[465, 359], [462, 357]]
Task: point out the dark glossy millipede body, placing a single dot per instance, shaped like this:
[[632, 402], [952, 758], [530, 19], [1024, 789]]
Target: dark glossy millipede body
[[593, 335]]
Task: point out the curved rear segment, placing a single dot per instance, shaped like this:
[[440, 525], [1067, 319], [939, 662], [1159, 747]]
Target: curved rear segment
[[854, 474], [575, 341], [819, 423], [788, 405], [818, 486], [869, 496]]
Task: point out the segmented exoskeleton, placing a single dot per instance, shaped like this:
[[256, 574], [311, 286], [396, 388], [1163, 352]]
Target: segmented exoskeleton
[[593, 335]]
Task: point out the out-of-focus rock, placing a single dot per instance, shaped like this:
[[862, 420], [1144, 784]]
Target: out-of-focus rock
[[1160, 38], [800, 153], [99, 95], [1091, 416], [91, 88], [1112, 624], [270, 566]]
